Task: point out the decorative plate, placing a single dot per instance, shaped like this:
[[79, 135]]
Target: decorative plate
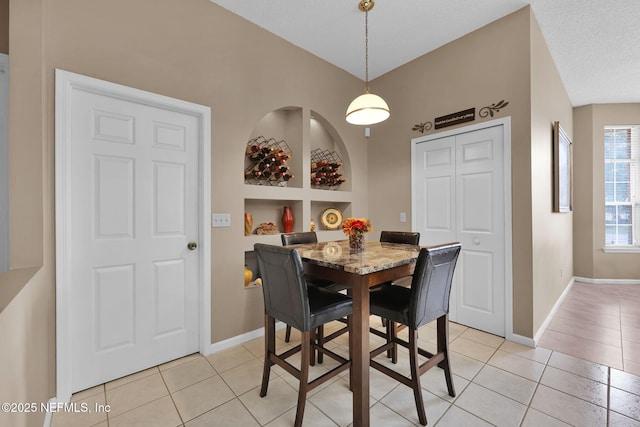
[[331, 218]]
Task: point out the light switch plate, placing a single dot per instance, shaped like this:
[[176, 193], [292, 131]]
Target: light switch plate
[[403, 217], [221, 220]]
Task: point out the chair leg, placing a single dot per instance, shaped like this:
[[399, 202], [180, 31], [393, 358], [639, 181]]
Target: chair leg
[[415, 376], [351, 346], [443, 347], [269, 349], [392, 333], [305, 359], [313, 337], [287, 334], [320, 341], [387, 330]]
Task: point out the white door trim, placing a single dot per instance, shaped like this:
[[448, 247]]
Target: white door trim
[[66, 82], [508, 261]]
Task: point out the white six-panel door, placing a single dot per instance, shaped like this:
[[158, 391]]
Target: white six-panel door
[[458, 192], [133, 209]]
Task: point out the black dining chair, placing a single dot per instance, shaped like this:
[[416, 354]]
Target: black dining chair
[[303, 237], [288, 298], [309, 237], [404, 238], [426, 300]]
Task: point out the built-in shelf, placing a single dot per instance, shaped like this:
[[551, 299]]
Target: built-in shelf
[[304, 131]]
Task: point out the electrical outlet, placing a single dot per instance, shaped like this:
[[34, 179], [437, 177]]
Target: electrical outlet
[[403, 217], [221, 220]]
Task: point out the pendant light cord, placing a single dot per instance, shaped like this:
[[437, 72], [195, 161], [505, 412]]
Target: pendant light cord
[[366, 50]]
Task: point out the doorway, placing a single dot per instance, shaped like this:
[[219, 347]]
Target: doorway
[[461, 191], [132, 232]]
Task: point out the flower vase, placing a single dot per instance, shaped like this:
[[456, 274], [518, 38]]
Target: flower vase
[[356, 242], [287, 220], [248, 224]]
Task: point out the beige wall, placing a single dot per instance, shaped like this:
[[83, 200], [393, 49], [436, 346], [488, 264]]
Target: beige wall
[[212, 58], [552, 233], [199, 52], [508, 60], [590, 261], [484, 67], [26, 371], [192, 50], [27, 323], [583, 191]]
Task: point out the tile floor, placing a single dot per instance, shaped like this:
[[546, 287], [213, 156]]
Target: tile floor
[[497, 383], [600, 323]]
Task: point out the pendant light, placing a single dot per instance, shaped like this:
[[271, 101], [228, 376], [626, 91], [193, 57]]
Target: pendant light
[[368, 108]]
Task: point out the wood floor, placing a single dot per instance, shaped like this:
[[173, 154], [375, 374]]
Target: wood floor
[[600, 323]]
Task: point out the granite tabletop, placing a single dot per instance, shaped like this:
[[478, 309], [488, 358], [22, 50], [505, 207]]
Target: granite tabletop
[[375, 257]]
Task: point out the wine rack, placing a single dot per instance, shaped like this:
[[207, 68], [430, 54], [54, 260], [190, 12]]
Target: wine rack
[[267, 162], [325, 170], [286, 129]]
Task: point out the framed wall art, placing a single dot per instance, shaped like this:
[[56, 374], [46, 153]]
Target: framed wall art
[[562, 170]]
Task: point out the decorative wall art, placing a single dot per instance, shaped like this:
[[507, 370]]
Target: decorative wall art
[[562, 170], [467, 115]]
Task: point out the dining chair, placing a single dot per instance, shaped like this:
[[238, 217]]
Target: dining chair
[[288, 298], [311, 237], [426, 300], [405, 238]]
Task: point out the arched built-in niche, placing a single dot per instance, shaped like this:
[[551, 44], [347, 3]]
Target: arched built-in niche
[[304, 131]]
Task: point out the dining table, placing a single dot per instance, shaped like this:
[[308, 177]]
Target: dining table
[[378, 263]]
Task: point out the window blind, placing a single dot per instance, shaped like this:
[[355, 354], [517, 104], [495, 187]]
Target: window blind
[[622, 185]]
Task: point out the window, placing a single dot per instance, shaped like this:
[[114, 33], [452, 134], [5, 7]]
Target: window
[[622, 185]]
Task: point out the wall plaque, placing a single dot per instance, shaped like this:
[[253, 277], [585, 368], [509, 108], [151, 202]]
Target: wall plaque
[[455, 118], [460, 117]]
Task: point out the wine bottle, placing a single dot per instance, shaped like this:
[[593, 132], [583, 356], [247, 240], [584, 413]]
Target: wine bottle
[[252, 174], [256, 156]]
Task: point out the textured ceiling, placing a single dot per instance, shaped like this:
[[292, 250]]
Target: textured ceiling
[[595, 43]]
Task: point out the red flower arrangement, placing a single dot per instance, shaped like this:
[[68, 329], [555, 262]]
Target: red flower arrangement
[[356, 226]]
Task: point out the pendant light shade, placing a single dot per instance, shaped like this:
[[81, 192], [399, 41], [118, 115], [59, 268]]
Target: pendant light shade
[[367, 109]]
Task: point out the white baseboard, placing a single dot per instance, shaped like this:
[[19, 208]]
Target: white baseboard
[[240, 339], [587, 280], [607, 281], [556, 306], [522, 340]]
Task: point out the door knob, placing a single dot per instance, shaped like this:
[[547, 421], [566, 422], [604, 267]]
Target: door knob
[[192, 246], [476, 241]]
